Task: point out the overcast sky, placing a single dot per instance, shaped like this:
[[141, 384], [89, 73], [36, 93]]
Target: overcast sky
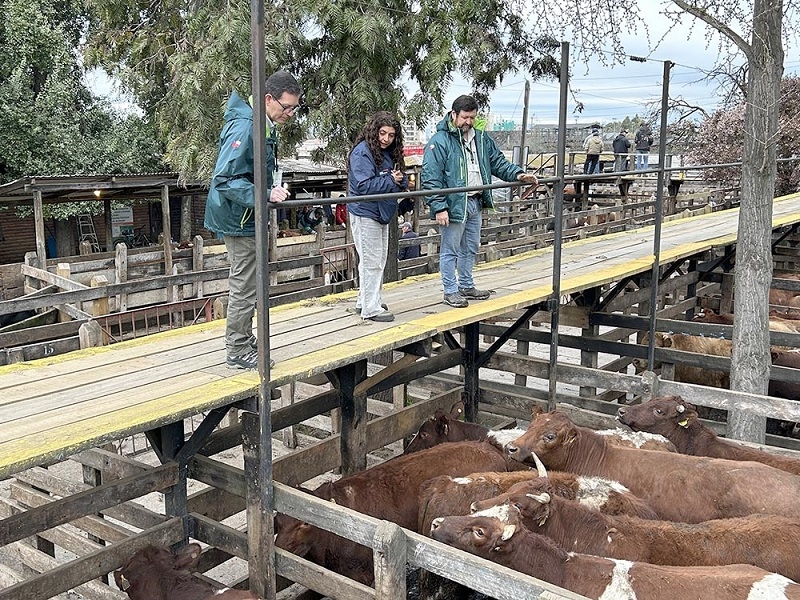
[[624, 90]]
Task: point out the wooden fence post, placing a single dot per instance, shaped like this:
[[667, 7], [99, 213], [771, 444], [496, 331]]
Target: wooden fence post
[[100, 305], [121, 272], [389, 546]]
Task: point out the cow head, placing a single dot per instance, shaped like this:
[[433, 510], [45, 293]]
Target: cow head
[[660, 415], [481, 535], [530, 498], [548, 438], [152, 573], [435, 430], [662, 340]]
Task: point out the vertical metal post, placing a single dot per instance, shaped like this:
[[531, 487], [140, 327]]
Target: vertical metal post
[[259, 508], [558, 224], [662, 153], [471, 379]]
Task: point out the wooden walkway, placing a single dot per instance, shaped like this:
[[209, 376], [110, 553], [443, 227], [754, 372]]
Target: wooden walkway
[[52, 408]]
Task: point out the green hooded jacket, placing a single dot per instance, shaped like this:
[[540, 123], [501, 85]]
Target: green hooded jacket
[[230, 207], [444, 165]]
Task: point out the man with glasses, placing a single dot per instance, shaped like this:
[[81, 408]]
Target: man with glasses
[[230, 207], [459, 155]]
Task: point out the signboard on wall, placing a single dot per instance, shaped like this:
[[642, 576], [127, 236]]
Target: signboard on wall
[[122, 222]]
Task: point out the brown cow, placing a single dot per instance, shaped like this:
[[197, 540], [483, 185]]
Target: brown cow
[[442, 496], [443, 427], [678, 487], [507, 542], [766, 541], [777, 322], [446, 495], [387, 491], [155, 573], [677, 420], [699, 345]]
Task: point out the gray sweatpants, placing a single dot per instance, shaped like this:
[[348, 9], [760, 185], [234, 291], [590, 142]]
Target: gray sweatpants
[[241, 293]]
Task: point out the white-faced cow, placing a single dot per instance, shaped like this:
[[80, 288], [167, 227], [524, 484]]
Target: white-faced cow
[[766, 541], [507, 542], [155, 573], [677, 420], [387, 491], [678, 487]]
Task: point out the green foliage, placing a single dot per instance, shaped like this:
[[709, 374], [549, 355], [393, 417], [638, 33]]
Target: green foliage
[[50, 124], [181, 60]]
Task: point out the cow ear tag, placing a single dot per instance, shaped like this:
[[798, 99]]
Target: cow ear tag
[[684, 423], [125, 583]]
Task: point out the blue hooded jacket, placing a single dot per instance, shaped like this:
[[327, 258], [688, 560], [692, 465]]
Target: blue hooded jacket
[[230, 206], [366, 177]]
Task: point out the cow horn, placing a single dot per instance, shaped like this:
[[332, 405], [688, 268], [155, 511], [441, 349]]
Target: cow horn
[[508, 531], [539, 465], [542, 498], [680, 408]]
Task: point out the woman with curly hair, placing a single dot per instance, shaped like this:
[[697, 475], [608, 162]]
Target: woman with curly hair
[[375, 166]]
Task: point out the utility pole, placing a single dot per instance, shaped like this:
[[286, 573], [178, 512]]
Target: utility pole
[[522, 155]]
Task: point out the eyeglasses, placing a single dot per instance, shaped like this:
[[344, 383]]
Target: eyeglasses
[[287, 109]]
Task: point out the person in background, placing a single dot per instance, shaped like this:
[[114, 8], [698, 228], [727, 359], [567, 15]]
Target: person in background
[[643, 141], [230, 207], [309, 217], [407, 233], [375, 166], [621, 146], [459, 155], [594, 148]]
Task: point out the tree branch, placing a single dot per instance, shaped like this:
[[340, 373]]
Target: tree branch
[[718, 25]]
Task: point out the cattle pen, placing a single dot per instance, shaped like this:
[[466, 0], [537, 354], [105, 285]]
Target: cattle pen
[[70, 407]]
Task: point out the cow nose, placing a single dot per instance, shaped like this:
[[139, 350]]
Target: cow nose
[[512, 450], [473, 508], [621, 412], [435, 523]]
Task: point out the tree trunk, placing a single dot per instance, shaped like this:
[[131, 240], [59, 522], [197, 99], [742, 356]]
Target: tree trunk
[[751, 358]]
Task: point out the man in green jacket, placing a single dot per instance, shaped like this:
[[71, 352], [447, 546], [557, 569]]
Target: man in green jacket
[[459, 155], [230, 207]]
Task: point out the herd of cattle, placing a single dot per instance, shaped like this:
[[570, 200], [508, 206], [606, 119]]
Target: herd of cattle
[[669, 511]]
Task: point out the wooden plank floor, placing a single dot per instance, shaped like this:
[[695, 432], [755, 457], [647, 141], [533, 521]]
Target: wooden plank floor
[[51, 408]]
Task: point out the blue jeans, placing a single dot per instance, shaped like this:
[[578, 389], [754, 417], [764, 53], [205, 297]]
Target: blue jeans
[[642, 159], [460, 243]]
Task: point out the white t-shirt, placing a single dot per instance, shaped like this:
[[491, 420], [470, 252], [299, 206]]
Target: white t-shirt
[[473, 167]]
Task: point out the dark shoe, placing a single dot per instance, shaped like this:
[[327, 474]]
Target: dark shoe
[[358, 308], [382, 317], [474, 294], [455, 300], [248, 360]]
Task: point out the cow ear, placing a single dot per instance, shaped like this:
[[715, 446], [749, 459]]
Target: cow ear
[[187, 557]]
